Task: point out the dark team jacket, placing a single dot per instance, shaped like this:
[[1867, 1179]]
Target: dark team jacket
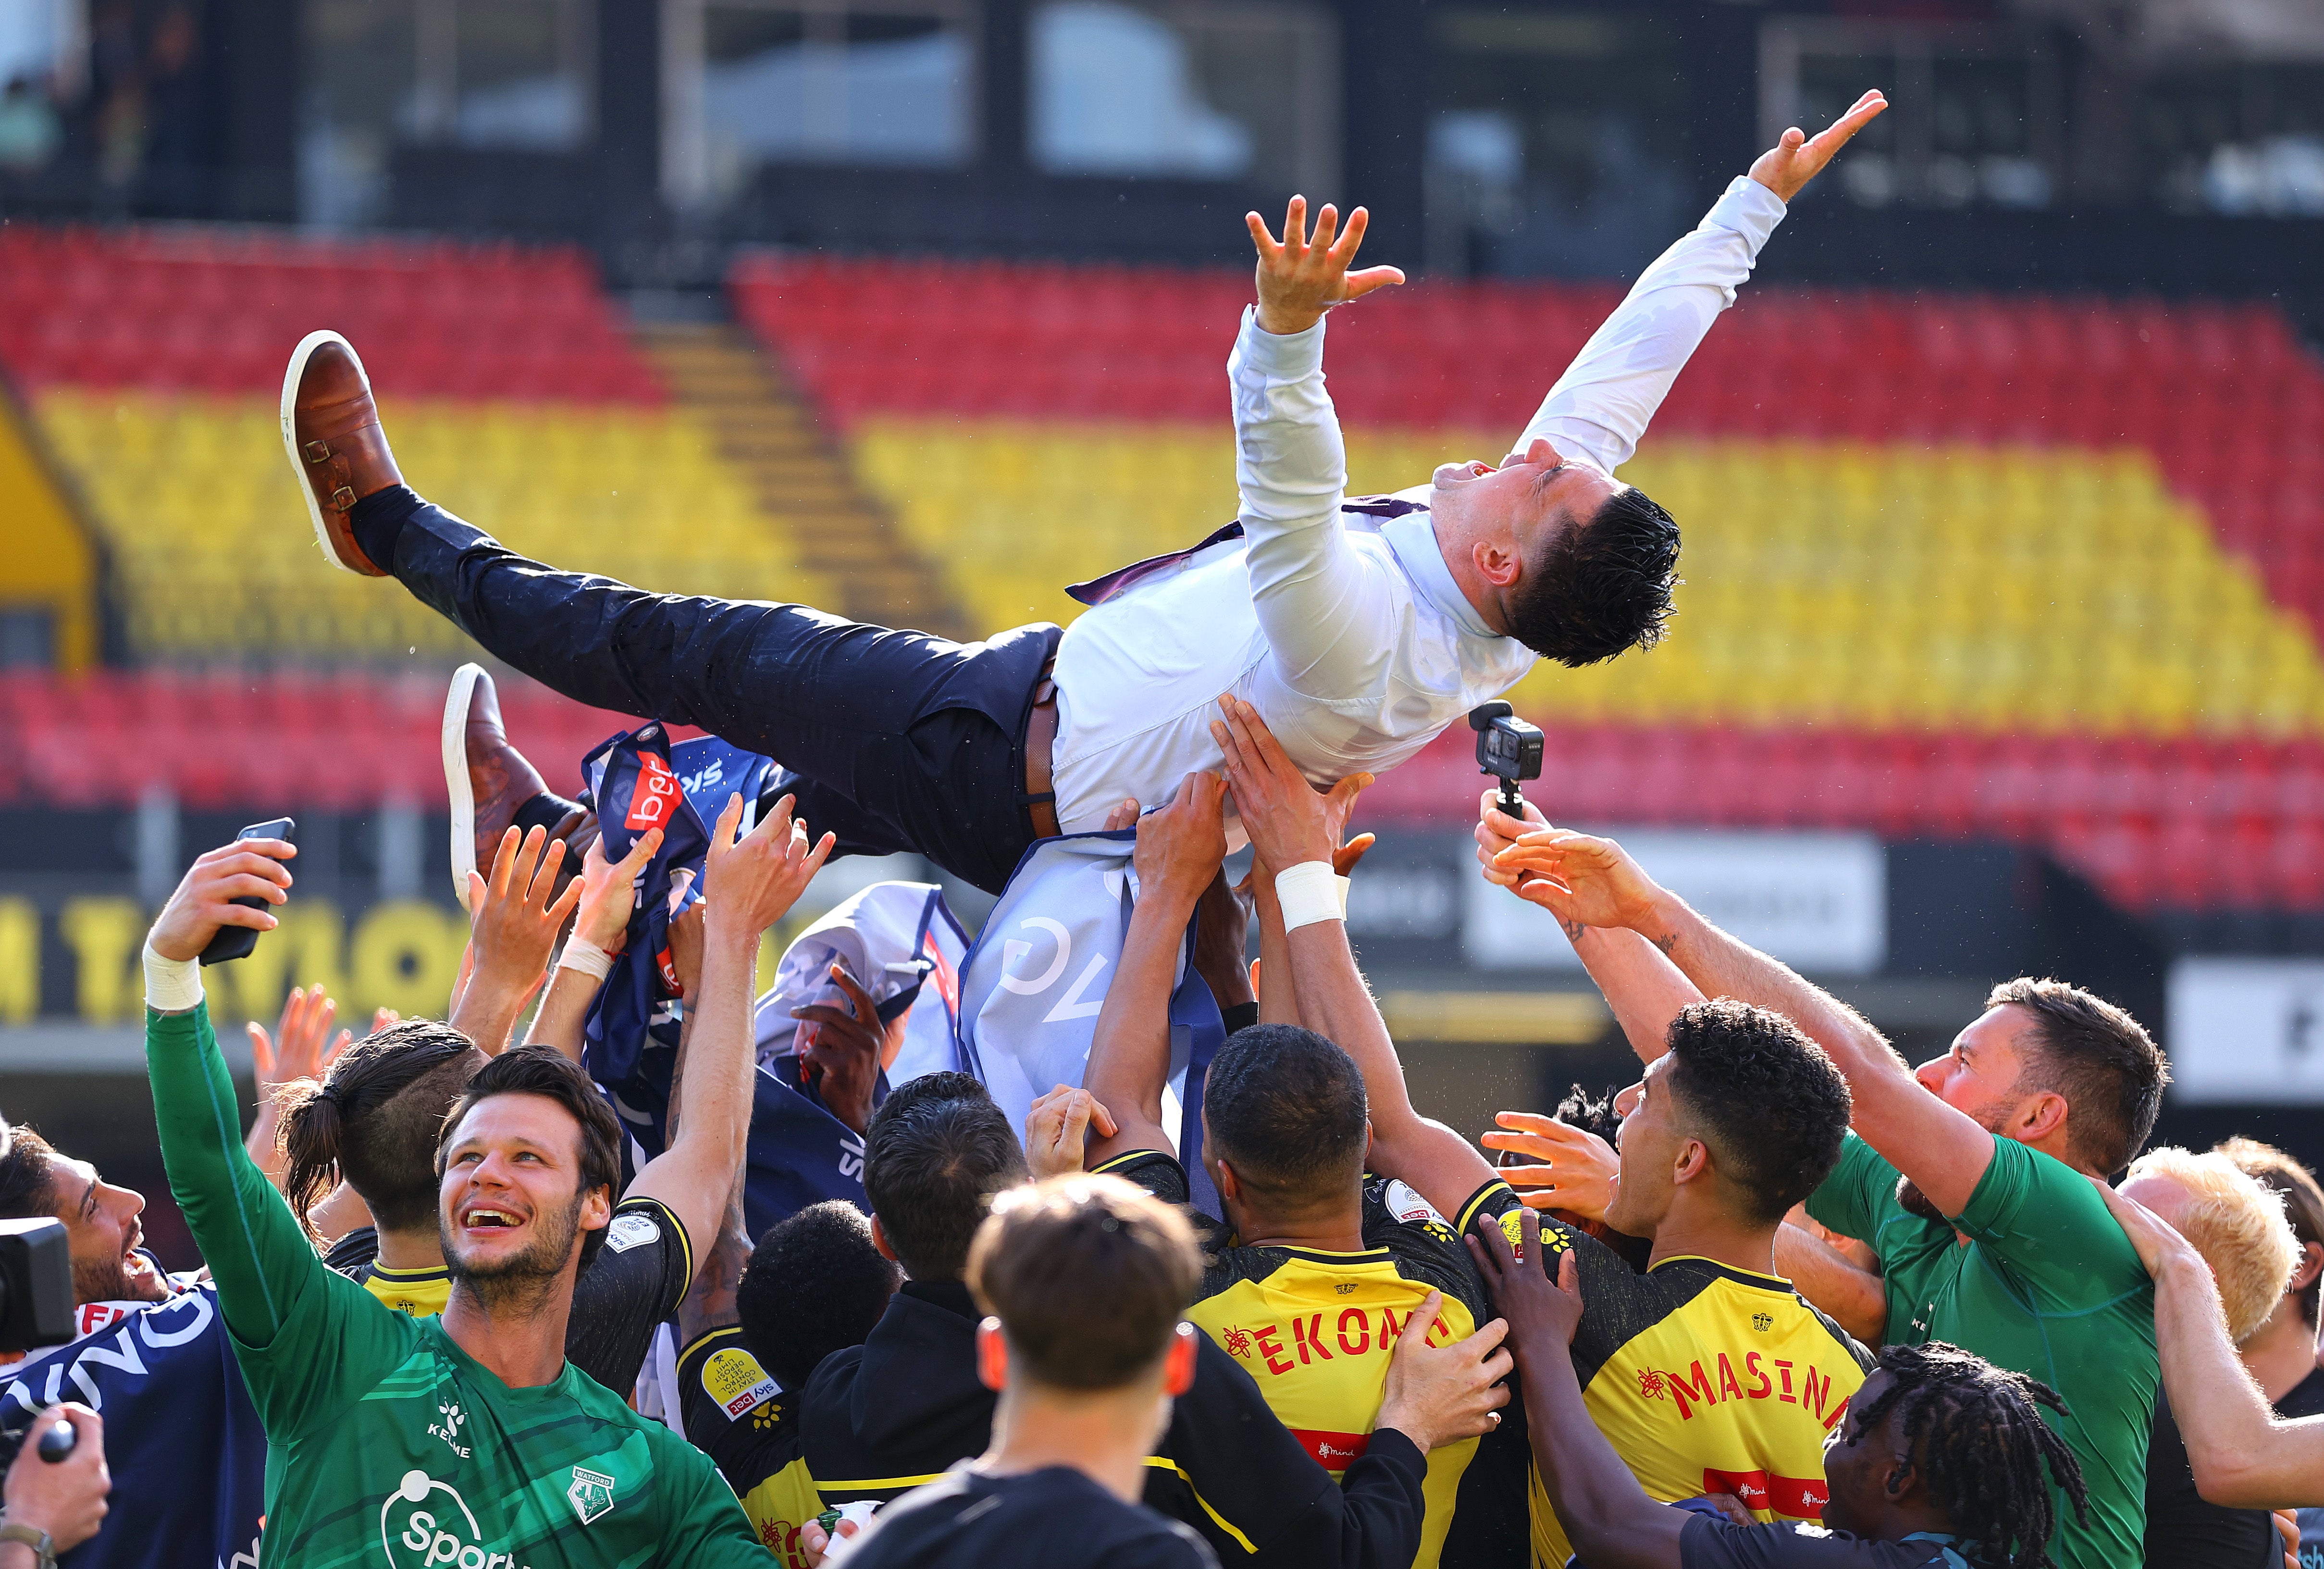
[[905, 1407]]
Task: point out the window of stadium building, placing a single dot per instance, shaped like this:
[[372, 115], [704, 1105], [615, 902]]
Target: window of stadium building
[[1244, 92], [473, 73], [844, 81], [1559, 142], [1980, 120]]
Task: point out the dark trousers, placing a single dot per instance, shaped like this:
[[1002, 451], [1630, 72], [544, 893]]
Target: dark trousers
[[892, 740]]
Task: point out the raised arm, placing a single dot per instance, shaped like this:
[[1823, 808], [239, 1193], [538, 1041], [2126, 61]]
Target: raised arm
[[1602, 403], [513, 923], [1288, 824], [1640, 984], [1324, 609], [1595, 883], [1613, 1523], [601, 925], [257, 1251], [2243, 1454], [747, 887], [1179, 849]]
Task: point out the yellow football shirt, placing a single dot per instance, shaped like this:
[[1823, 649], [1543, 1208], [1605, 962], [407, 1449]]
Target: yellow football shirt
[[1316, 1330], [734, 1414], [1704, 1377]]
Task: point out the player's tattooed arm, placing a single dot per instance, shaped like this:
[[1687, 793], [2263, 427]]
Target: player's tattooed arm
[[709, 1302]]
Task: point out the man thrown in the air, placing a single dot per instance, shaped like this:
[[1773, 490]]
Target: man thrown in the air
[[1359, 631]]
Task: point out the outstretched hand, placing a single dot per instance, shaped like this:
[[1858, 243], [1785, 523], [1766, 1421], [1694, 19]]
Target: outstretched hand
[[1798, 157], [1574, 1169], [1582, 880], [752, 883], [1288, 823], [1540, 1315], [1304, 275], [844, 1050], [204, 899]]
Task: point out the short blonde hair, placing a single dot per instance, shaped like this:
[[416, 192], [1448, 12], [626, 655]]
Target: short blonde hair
[[2237, 1223]]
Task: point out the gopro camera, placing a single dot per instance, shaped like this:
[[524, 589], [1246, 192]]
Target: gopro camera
[[1508, 749], [36, 1286], [234, 942]]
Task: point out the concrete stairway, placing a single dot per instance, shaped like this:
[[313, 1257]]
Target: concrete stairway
[[765, 427]]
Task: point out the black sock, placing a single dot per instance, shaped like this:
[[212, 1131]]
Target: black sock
[[544, 812], [377, 518]]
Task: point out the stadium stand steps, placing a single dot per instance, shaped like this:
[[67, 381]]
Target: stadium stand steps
[[770, 433]]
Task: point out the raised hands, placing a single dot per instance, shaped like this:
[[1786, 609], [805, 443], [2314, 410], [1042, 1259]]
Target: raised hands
[[1288, 823], [1181, 847], [608, 890], [1798, 157], [1582, 880], [1057, 1130], [204, 899], [752, 883], [846, 1050], [1574, 1169], [1304, 275], [516, 914]]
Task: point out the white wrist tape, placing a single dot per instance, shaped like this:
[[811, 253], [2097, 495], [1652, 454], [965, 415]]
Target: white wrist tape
[[1307, 893], [172, 986], [586, 957]]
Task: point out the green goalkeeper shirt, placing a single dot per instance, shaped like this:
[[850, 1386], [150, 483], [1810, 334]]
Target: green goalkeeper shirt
[[387, 1446]]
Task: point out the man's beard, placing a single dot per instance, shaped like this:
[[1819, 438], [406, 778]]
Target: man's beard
[[109, 1280], [522, 1283]]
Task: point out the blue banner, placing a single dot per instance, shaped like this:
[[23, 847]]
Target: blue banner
[[799, 1154], [186, 1450], [1036, 980]]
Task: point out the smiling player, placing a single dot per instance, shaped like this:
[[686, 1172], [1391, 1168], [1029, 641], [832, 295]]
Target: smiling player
[[465, 1439]]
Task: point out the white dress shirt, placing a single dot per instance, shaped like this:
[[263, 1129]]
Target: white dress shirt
[[1348, 635]]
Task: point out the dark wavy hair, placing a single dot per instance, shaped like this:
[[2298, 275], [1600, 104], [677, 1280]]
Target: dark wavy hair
[[935, 1153], [1601, 585], [27, 1182], [1977, 1433], [1770, 1104], [374, 1121], [537, 1070]]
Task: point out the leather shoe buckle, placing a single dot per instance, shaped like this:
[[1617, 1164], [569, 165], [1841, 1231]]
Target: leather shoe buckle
[[319, 452], [343, 498]]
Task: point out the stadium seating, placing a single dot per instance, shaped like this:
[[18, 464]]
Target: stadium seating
[[2045, 568], [153, 362]]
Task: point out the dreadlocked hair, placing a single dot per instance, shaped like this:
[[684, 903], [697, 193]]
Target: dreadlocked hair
[[1977, 1433]]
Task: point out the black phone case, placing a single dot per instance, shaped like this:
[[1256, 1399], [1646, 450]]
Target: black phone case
[[235, 942]]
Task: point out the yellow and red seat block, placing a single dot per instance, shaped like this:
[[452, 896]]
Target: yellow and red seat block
[[2046, 567], [153, 361]]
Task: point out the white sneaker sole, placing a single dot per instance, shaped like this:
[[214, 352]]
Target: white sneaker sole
[[299, 356], [456, 777]]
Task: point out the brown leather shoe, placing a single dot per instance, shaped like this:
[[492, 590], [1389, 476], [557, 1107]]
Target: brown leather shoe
[[491, 783], [330, 429]]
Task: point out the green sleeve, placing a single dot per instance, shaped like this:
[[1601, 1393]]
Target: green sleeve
[[2053, 1227], [309, 1340], [1859, 1195], [705, 1528]]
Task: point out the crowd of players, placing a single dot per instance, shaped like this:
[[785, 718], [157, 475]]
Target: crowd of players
[[1784, 1300]]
